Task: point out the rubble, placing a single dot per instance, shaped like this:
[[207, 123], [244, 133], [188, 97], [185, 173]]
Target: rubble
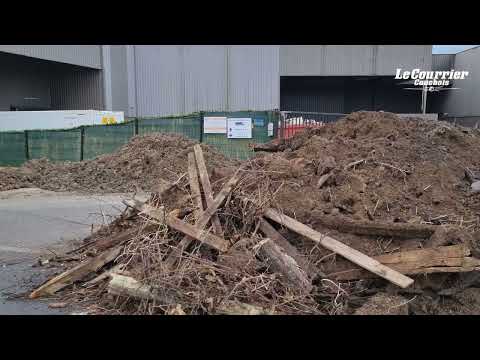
[[309, 226]]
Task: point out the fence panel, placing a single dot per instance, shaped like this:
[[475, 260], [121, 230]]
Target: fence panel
[[105, 139], [12, 148], [55, 145], [241, 149], [189, 126], [292, 122]]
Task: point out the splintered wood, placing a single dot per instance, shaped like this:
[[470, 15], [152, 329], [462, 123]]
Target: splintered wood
[[443, 259]]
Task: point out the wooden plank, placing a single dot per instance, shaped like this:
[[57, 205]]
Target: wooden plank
[[416, 261], [194, 184], [401, 230], [273, 234], [77, 273], [429, 255], [357, 274], [205, 216], [207, 187], [336, 246], [197, 233]]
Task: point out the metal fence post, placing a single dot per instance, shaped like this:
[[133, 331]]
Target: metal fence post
[[135, 130], [201, 125], [82, 142], [27, 155]]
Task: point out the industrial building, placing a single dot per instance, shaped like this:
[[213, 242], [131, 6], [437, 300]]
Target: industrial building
[[150, 80]]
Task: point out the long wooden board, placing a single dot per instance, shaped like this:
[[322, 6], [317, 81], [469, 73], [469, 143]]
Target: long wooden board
[[77, 273], [197, 233], [207, 187], [336, 246]]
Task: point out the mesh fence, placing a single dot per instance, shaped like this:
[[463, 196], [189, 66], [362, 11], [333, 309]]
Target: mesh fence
[[189, 126], [55, 145], [241, 149], [12, 148], [106, 139], [89, 142]]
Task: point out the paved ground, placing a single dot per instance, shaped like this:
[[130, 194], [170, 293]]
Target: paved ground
[[34, 222]]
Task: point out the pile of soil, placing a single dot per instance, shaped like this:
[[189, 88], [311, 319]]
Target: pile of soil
[[414, 172], [136, 166], [379, 168]]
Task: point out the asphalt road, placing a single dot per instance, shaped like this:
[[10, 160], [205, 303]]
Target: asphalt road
[[35, 222]]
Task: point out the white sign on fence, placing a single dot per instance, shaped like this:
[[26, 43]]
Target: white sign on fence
[[239, 128], [215, 125]]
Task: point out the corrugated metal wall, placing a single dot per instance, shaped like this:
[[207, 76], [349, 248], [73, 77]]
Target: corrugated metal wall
[[75, 88], [23, 82], [346, 94], [352, 60], [391, 57], [466, 100], [183, 79], [119, 90], [160, 89], [205, 69], [82, 55], [443, 62]]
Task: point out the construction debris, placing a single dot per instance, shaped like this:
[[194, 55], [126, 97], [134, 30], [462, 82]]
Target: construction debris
[[311, 225]]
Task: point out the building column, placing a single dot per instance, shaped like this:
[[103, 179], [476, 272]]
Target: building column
[[107, 77]]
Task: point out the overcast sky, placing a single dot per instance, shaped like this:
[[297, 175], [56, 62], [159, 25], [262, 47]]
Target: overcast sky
[[450, 49]]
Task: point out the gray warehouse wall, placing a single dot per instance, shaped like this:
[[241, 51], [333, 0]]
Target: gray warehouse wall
[[20, 78], [82, 55], [464, 102], [352, 60], [163, 80], [75, 88]]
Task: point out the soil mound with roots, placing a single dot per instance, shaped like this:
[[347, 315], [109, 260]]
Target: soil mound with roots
[[136, 166]]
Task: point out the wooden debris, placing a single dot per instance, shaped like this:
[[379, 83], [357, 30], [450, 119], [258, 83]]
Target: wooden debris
[[336, 246], [283, 263], [106, 243], [105, 275], [207, 187], [75, 274], [230, 307], [443, 259], [205, 216], [121, 285], [194, 185], [401, 230], [323, 179], [276, 237], [196, 233]]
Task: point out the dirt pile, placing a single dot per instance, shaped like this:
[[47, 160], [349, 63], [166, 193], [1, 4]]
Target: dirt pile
[[393, 189], [136, 166]]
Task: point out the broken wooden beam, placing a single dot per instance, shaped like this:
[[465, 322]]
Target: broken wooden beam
[[284, 264], [207, 187], [77, 273], [337, 247], [205, 216], [194, 185], [400, 230], [442, 259], [197, 233], [269, 231], [126, 286]]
